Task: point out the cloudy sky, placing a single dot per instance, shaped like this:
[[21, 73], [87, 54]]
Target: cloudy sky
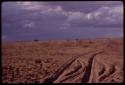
[[61, 20]]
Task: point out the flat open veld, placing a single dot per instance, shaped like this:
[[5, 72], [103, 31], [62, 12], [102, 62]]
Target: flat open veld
[[63, 61]]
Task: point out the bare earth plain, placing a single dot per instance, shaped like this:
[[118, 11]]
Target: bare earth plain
[[63, 61]]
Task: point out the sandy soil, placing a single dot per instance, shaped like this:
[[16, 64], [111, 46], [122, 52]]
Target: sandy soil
[[63, 61]]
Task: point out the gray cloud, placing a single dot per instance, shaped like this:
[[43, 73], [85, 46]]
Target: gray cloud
[[48, 19], [104, 16]]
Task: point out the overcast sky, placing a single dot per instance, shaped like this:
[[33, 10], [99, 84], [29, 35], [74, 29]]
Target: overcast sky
[[61, 20]]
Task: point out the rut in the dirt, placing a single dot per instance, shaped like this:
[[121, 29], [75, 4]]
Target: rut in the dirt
[[88, 70], [60, 70]]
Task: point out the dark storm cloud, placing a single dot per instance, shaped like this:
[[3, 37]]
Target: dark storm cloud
[[48, 20]]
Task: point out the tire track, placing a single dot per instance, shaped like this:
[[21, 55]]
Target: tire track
[[88, 71], [70, 73], [73, 73], [75, 69], [111, 69], [96, 71], [60, 70], [93, 73]]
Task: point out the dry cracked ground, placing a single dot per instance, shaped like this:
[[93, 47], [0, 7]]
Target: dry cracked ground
[[63, 61]]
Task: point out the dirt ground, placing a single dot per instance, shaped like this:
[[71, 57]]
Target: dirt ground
[[63, 61]]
